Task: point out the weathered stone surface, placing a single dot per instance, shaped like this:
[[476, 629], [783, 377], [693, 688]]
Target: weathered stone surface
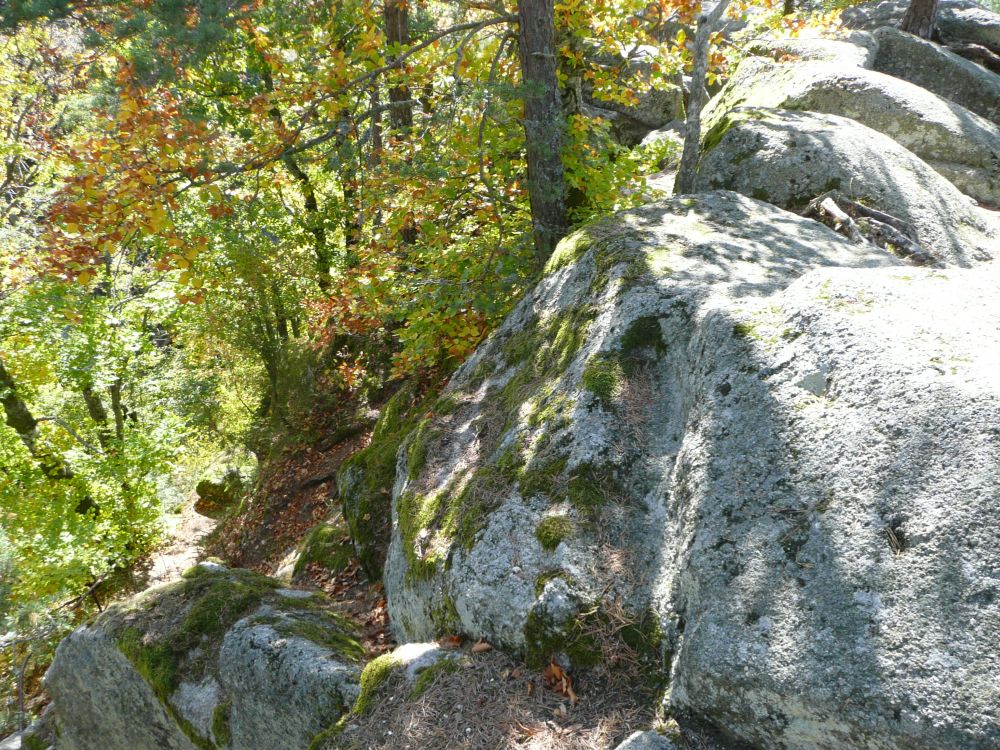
[[833, 564], [782, 444], [473, 547], [654, 107], [223, 659], [218, 492], [646, 741], [789, 158], [939, 70], [853, 49], [958, 144], [957, 20], [283, 690]]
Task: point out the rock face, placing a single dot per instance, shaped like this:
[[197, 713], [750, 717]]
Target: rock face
[[654, 107], [508, 482], [958, 144], [789, 158], [780, 444], [939, 70], [223, 659], [957, 20]]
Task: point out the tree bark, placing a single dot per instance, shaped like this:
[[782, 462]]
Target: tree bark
[[543, 124], [95, 407], [688, 169], [18, 415], [20, 418], [920, 17], [397, 35]]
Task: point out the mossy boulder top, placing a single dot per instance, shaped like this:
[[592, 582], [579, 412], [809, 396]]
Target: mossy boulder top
[[221, 660], [776, 447]]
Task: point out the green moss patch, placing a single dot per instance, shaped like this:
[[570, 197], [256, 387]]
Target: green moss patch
[[328, 545], [643, 333], [373, 676], [603, 377], [713, 137], [552, 530], [426, 677], [543, 640], [220, 724], [196, 612], [329, 631], [366, 479]]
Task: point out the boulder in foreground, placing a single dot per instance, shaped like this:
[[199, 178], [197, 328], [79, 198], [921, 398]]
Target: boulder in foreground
[[223, 659]]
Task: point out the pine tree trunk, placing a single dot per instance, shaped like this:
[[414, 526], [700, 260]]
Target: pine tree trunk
[[543, 124], [397, 35], [919, 18]]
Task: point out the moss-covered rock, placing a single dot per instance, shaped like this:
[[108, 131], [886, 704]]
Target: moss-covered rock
[[220, 660], [218, 494], [414, 665], [365, 480], [327, 545]]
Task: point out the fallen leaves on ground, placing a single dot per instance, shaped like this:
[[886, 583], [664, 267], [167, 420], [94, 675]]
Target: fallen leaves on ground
[[557, 679]]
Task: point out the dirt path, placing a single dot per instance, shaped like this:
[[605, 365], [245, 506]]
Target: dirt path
[[185, 532]]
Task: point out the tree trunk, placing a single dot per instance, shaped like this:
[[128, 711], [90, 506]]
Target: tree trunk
[[118, 409], [397, 35], [314, 217], [688, 169], [543, 124], [919, 18], [19, 416], [95, 407]]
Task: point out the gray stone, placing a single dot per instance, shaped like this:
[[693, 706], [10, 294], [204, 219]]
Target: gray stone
[[853, 49], [937, 69], [957, 20], [104, 702], [960, 145], [414, 658], [222, 656], [487, 584], [657, 103], [789, 158], [282, 690], [820, 555], [851, 599], [646, 741]]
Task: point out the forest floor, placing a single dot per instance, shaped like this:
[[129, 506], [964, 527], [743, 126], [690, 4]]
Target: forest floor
[[298, 492], [186, 535]]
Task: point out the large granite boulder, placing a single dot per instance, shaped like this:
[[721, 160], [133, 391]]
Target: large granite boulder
[[957, 20], [958, 144], [788, 158], [223, 659], [779, 445], [938, 69]]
